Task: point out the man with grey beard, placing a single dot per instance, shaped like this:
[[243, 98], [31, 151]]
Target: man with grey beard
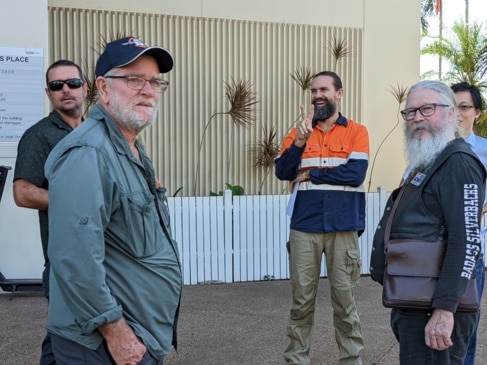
[[442, 198], [115, 269]]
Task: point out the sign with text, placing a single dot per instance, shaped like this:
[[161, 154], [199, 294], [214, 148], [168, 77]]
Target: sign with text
[[21, 90]]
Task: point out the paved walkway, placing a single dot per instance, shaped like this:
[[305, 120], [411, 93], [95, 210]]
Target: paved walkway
[[229, 324]]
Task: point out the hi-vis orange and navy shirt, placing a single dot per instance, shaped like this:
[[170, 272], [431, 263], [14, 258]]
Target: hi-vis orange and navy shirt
[[334, 199]]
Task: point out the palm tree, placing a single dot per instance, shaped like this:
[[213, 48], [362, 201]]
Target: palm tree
[[466, 52], [427, 9]]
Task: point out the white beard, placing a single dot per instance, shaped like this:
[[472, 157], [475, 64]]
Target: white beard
[[125, 112], [422, 151]]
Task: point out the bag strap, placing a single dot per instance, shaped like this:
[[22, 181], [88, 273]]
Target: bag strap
[[387, 232]]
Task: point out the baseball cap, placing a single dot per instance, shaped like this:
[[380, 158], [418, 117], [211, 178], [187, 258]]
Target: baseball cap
[[124, 51]]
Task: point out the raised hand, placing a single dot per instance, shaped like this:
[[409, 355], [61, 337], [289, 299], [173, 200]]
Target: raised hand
[[304, 128]]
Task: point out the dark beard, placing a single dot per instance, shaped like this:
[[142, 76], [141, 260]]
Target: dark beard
[[325, 112]]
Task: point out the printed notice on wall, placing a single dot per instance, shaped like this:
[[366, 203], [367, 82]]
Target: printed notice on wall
[[21, 91]]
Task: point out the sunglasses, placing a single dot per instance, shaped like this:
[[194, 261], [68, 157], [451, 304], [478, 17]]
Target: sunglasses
[[58, 85]]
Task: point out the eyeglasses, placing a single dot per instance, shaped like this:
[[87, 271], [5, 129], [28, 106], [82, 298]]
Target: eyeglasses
[[138, 83], [426, 110], [465, 108], [58, 85]]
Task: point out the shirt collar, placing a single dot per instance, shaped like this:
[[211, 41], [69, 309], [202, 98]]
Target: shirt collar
[[341, 120], [98, 112], [471, 140], [59, 121]]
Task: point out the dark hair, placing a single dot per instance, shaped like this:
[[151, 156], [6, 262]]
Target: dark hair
[[337, 82], [63, 63], [474, 91]]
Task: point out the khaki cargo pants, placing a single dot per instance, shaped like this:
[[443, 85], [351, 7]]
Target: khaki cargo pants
[[343, 266]]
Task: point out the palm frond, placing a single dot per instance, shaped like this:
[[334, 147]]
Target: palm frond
[[242, 102], [265, 150], [303, 76], [92, 92], [427, 10], [339, 48], [464, 47], [104, 40], [399, 92]]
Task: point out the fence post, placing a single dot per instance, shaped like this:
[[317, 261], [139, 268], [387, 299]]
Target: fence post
[[228, 234], [383, 195]]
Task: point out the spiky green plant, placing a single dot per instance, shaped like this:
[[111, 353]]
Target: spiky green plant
[[104, 40], [339, 49], [264, 152], [399, 92], [92, 92], [242, 102], [303, 76], [242, 107]]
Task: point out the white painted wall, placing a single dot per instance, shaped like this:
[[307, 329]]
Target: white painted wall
[[24, 24], [392, 55]]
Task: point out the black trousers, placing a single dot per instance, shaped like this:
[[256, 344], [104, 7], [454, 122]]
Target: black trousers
[[408, 327], [71, 353]]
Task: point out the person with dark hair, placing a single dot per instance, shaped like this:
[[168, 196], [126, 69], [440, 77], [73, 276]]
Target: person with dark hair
[[115, 271], [470, 106], [438, 204], [325, 158], [66, 91]]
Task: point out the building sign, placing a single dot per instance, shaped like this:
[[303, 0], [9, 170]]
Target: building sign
[[21, 91]]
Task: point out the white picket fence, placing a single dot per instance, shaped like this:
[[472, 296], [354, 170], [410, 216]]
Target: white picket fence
[[243, 238]]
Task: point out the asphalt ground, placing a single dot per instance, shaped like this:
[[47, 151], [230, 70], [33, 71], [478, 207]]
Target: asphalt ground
[[230, 324]]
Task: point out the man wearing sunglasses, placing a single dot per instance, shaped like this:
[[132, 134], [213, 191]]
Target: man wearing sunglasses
[[66, 91], [115, 271]]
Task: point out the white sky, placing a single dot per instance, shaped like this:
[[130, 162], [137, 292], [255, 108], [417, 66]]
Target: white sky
[[453, 10]]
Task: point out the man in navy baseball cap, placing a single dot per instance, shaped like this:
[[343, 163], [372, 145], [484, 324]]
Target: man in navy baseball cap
[[115, 228], [124, 51]]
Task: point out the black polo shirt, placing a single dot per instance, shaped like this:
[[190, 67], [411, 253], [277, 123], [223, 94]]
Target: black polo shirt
[[32, 151]]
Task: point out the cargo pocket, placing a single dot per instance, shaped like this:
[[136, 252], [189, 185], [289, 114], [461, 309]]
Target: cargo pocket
[[354, 264]]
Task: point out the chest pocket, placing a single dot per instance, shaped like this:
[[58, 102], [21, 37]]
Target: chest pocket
[[313, 155], [141, 233], [329, 154], [341, 150]]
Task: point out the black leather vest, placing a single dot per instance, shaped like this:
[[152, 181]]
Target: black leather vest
[[412, 219]]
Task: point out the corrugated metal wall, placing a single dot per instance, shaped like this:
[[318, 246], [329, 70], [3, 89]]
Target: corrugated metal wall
[[209, 53]]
